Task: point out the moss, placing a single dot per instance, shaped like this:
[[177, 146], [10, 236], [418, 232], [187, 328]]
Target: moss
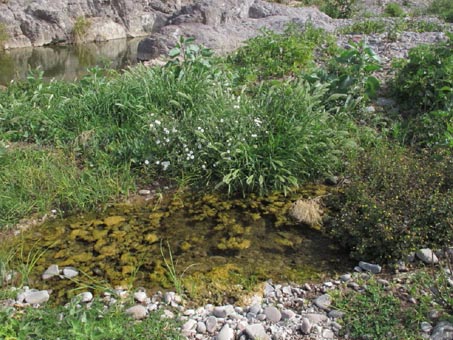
[[233, 243], [113, 220]]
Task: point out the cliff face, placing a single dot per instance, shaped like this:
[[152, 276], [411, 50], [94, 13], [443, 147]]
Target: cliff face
[[42, 22]]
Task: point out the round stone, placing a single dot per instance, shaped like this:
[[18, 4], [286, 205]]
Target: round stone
[[272, 314]]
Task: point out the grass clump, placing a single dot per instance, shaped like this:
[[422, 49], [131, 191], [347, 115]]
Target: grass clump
[[365, 27], [443, 9], [38, 180], [394, 10], [80, 29], [401, 206], [83, 322]]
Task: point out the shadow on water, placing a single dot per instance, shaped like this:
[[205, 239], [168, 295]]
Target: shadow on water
[[224, 247], [66, 62]]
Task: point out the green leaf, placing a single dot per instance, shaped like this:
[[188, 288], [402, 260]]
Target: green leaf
[[174, 52]]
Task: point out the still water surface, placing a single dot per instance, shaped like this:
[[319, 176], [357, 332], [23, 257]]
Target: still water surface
[[66, 62]]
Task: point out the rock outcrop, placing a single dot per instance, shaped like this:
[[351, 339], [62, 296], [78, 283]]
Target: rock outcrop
[[224, 25], [220, 25], [43, 22]]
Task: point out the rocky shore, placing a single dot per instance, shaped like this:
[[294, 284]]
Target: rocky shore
[[277, 311]]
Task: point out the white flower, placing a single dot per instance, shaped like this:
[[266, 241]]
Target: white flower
[[165, 165], [174, 130], [151, 125], [167, 140], [257, 121], [157, 122], [157, 162], [203, 167], [157, 141], [146, 162], [236, 107], [254, 136], [166, 131], [192, 156], [221, 120]]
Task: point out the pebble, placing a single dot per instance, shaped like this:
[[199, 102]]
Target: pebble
[[256, 332], [323, 301], [287, 314], [144, 192], [442, 331], [427, 256], [85, 297], [201, 327], [70, 272], [335, 314], [426, 327], [140, 296], [36, 297], [369, 267], [306, 325], [138, 312], [211, 324], [345, 277], [272, 314], [51, 272], [226, 333]]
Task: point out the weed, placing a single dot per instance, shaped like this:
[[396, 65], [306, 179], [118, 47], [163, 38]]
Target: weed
[[393, 9], [442, 8], [80, 29], [4, 35]]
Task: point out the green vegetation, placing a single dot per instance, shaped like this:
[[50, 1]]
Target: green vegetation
[[393, 9], [80, 29], [380, 218], [442, 8], [80, 322], [338, 9], [424, 86], [3, 35], [395, 26], [383, 312]]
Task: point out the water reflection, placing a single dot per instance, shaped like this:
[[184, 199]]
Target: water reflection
[[66, 62]]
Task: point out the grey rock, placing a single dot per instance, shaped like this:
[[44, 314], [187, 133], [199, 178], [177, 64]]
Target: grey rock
[[272, 314], [442, 331], [316, 318], [261, 317], [220, 312], [140, 296], [138, 312], [288, 314], [189, 325], [369, 267], [323, 301], [345, 277], [51, 272], [427, 256], [211, 324], [426, 327], [327, 334], [226, 333], [268, 289], [306, 326], [37, 297], [70, 272], [143, 192], [256, 332], [85, 297], [335, 314], [201, 327]]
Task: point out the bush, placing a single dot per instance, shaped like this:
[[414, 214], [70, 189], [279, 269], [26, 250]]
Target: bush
[[397, 201], [425, 81], [393, 9], [338, 9]]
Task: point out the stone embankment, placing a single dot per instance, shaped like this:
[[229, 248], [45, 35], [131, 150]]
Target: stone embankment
[[279, 311]]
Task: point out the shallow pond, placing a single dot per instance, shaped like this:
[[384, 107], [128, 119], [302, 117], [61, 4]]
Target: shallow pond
[[66, 62], [220, 247]]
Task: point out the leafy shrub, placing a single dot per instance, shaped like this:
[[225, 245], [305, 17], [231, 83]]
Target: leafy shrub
[[425, 81], [442, 8], [393, 9], [397, 201], [80, 29]]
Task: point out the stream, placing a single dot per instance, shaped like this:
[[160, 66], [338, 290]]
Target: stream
[[66, 62]]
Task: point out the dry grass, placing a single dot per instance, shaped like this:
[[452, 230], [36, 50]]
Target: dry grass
[[307, 212]]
